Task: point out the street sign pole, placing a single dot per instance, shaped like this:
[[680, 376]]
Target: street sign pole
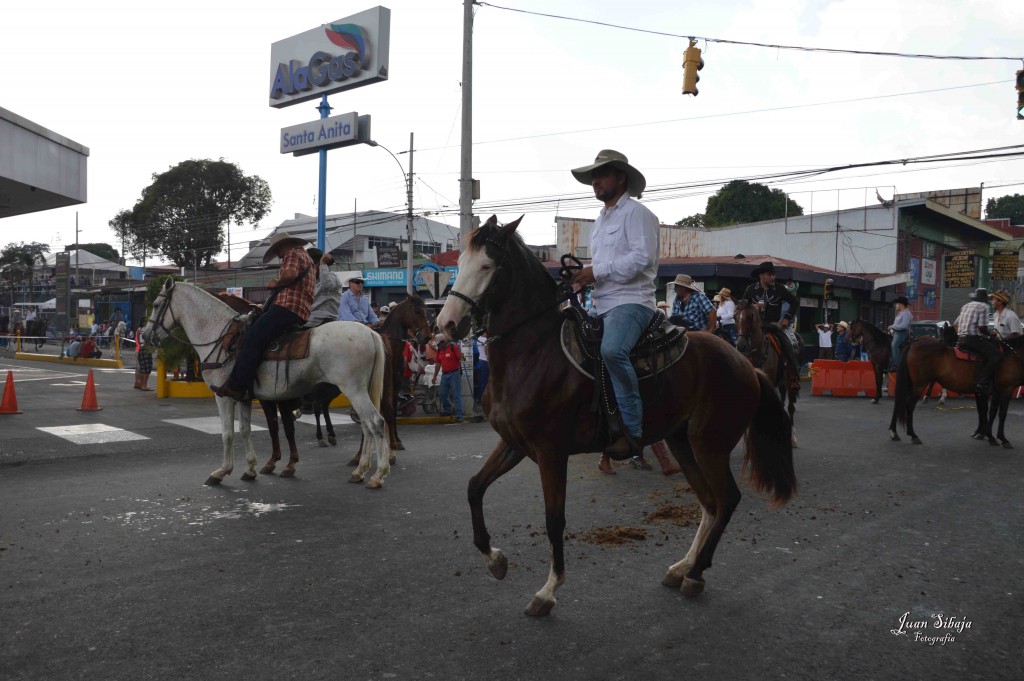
[[321, 202]]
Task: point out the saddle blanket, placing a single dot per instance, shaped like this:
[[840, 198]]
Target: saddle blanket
[[649, 358]]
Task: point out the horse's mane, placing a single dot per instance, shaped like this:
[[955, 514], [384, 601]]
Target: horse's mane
[[518, 258]]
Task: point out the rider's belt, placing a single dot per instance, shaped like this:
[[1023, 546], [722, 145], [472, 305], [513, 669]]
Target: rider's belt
[[453, 371]]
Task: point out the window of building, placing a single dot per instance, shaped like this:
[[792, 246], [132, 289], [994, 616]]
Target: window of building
[[928, 250], [426, 247], [374, 241]]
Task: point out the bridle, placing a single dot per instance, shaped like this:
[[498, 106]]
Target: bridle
[[157, 319], [756, 352]]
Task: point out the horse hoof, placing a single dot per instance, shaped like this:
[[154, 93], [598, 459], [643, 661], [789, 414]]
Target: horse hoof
[[355, 479], [333, 440], [539, 607], [268, 469], [1007, 445], [672, 581], [874, 401], [288, 473], [213, 481], [692, 587], [893, 436], [392, 459], [977, 436], [354, 461], [498, 565], [322, 442], [916, 440], [994, 442], [398, 445], [375, 483], [248, 477]]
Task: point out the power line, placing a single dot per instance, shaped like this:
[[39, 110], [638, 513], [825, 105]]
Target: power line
[[871, 53]]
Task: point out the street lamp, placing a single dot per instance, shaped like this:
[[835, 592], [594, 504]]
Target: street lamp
[[410, 289]]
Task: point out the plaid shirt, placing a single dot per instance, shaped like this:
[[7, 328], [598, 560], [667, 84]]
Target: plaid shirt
[[694, 312], [972, 315], [298, 296]]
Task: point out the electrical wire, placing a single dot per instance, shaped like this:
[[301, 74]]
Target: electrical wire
[[830, 50]]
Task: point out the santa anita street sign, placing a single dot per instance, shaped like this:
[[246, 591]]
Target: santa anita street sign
[[344, 54], [336, 131]]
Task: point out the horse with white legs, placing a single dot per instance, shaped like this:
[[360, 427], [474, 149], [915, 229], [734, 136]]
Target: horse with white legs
[[344, 354]]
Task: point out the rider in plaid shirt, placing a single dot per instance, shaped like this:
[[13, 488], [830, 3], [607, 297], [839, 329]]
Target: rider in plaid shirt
[[973, 332], [289, 306]]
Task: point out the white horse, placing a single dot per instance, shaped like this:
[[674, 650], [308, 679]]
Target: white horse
[[344, 354]]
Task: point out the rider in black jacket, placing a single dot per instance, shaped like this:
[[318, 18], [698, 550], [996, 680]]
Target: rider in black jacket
[[777, 305]]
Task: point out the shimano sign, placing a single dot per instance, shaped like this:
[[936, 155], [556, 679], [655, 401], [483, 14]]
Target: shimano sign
[[341, 55]]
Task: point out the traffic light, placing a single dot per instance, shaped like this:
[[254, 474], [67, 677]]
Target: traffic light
[[692, 63], [828, 289], [1020, 95]]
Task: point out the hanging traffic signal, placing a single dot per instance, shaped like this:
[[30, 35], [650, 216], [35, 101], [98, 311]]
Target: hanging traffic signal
[[692, 63], [1020, 95], [828, 289]]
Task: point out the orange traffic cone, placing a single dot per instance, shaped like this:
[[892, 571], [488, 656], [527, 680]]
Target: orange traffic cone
[[9, 404], [89, 398]]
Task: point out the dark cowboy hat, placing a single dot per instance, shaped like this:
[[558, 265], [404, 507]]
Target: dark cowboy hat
[[314, 254], [635, 182], [278, 241], [902, 300], [980, 295], [767, 266]]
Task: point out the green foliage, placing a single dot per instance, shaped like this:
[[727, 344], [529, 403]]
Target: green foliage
[[181, 215], [740, 202], [695, 220], [105, 251], [1006, 207], [176, 350], [20, 260]]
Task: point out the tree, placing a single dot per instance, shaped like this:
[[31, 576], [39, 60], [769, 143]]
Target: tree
[[20, 260], [105, 251], [1006, 207], [695, 220], [740, 201], [183, 212]]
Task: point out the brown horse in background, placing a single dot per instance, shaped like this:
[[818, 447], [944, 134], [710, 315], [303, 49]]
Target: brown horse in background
[[540, 406], [878, 345], [929, 360], [758, 347]]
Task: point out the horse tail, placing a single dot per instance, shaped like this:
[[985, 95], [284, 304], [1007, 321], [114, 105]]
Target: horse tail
[[377, 376], [770, 446], [903, 387]]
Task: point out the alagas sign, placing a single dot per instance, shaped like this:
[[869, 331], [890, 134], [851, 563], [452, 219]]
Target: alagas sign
[[341, 55]]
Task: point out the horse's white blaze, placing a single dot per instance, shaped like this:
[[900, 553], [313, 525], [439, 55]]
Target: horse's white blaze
[[344, 354], [475, 272]]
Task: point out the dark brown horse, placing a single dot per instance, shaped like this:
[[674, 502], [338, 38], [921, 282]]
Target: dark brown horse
[[540, 405], [408, 319], [930, 360], [758, 347], [878, 345], [36, 331]]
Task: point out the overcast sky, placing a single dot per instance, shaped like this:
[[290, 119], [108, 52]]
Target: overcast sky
[[147, 85]]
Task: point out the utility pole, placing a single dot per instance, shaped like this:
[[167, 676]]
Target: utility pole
[[355, 209], [466, 178], [409, 288]]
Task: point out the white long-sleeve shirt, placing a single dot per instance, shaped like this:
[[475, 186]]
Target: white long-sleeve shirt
[[624, 245], [727, 312]]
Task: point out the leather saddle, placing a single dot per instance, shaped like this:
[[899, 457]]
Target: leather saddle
[[660, 346], [292, 344]]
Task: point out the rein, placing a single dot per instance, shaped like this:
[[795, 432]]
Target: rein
[[158, 321]]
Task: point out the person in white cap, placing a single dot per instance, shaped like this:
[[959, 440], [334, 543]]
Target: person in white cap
[[624, 246]]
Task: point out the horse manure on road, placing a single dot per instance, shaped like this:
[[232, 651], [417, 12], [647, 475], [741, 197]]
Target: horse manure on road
[[680, 516], [617, 535]]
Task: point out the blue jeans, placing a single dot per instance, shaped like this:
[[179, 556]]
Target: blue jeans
[[483, 373], [623, 325], [451, 384], [269, 326], [897, 340], [730, 332]]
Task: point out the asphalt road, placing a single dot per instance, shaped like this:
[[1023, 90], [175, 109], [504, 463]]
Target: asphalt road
[[116, 562]]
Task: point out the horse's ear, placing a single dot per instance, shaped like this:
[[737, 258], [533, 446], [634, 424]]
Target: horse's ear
[[507, 230], [168, 284], [491, 221]]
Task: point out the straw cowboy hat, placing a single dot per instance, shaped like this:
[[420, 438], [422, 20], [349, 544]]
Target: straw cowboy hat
[[843, 325], [635, 182], [278, 241], [766, 266], [684, 280], [980, 295], [716, 299], [725, 293], [1002, 295], [662, 304]]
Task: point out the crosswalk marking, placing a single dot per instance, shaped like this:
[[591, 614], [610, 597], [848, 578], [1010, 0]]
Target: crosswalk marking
[[205, 424], [93, 433]]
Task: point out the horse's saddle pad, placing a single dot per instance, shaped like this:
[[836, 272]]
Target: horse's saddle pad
[[653, 353], [292, 345]]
